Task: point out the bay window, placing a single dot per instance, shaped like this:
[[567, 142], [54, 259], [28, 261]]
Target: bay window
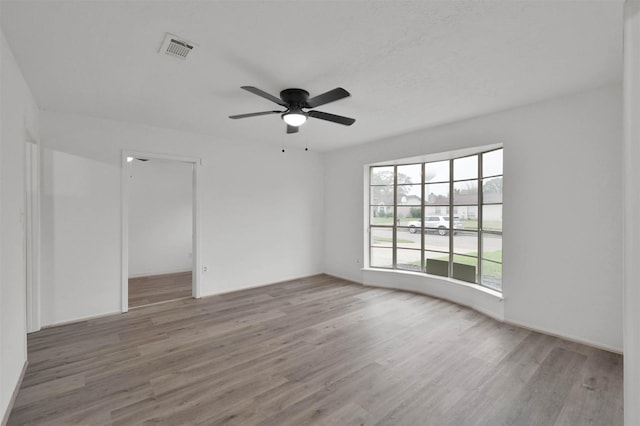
[[440, 217]]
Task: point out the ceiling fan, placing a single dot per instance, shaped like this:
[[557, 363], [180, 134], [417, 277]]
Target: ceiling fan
[[296, 101]]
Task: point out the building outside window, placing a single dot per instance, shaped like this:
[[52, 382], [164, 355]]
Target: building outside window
[[411, 227]]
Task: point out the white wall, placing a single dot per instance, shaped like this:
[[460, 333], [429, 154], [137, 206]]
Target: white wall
[[18, 117], [160, 217], [78, 266], [632, 213], [261, 211], [562, 210]]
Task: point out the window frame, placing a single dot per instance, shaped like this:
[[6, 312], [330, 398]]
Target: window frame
[[395, 224]]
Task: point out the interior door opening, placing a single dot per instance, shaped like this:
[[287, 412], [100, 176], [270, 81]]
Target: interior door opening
[[160, 220]]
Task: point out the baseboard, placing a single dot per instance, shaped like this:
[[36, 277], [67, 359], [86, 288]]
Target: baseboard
[[106, 314], [131, 308], [90, 317], [263, 285], [506, 321], [489, 314], [567, 337], [486, 312], [343, 279], [14, 395], [152, 274]]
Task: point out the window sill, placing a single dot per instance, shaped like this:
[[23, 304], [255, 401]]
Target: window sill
[[480, 298]]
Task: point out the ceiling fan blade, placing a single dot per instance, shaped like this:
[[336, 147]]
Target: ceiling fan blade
[[332, 117], [292, 129], [255, 114], [325, 98], [264, 94]]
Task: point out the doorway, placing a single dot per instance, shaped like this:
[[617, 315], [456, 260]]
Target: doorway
[[160, 222]]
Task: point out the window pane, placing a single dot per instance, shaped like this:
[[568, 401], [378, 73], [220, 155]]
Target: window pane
[[415, 226], [465, 268], [465, 192], [408, 216], [410, 173], [436, 263], [465, 168], [438, 224], [492, 190], [436, 211], [409, 195], [381, 196], [492, 274], [436, 193], [381, 257], [406, 239], [492, 247], [492, 217], [433, 241], [436, 172], [381, 175], [492, 163], [381, 215], [465, 242], [382, 237], [408, 259], [467, 215]]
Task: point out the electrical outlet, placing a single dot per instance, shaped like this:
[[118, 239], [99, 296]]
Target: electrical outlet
[[204, 269]]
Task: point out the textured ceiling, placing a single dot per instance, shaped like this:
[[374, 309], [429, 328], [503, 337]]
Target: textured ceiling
[[408, 65]]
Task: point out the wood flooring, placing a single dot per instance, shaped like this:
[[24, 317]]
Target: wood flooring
[[159, 288], [313, 351]]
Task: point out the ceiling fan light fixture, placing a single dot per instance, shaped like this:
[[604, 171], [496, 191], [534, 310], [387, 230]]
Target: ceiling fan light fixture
[[294, 118]]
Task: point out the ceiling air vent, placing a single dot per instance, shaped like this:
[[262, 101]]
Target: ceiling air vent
[[176, 47]]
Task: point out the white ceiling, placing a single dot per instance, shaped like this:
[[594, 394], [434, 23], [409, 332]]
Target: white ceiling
[[408, 65]]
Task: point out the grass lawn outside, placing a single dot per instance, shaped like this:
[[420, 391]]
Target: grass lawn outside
[[390, 240], [493, 225], [489, 268]]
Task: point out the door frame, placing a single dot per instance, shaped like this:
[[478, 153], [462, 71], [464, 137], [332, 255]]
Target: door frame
[[32, 231], [195, 238]]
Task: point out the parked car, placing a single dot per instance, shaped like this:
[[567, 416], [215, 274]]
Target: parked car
[[439, 224]]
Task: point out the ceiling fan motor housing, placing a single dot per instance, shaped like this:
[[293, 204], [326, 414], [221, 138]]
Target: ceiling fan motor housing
[[295, 97]]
